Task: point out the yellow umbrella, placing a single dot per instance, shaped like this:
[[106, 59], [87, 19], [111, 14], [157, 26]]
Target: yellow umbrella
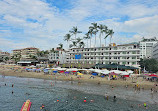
[[80, 74]]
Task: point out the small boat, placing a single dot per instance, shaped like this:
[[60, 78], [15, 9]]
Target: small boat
[[26, 106]]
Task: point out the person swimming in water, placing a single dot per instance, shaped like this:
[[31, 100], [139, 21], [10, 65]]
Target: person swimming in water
[[114, 98]]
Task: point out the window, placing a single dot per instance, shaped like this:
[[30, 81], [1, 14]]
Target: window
[[134, 52], [129, 47], [123, 52], [133, 63], [123, 63], [124, 48], [123, 57], [115, 57], [115, 48], [133, 57]]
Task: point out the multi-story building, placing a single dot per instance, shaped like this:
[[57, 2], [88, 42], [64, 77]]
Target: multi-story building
[[4, 56], [57, 56], [146, 47], [28, 53], [127, 54], [155, 52]]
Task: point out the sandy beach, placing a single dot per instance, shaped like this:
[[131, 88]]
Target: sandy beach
[[19, 72]]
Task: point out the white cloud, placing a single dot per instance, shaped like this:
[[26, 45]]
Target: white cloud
[[50, 24]]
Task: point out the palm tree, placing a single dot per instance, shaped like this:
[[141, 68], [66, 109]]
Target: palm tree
[[52, 50], [60, 46], [109, 33], [75, 31], [103, 29], [81, 44], [78, 40], [74, 44], [67, 38], [90, 37], [87, 37], [94, 27]]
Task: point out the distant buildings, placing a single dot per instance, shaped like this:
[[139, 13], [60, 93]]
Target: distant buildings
[[4, 56], [146, 47], [57, 56], [26, 56], [26, 53], [155, 52], [126, 54]]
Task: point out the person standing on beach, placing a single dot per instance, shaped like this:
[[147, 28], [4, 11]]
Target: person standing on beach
[[106, 96]]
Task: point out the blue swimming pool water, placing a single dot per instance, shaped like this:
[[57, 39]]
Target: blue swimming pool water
[[70, 96]]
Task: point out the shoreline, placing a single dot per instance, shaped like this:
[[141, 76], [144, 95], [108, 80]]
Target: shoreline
[[147, 85]]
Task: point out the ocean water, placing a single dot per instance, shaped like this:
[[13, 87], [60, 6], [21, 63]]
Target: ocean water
[[71, 96]]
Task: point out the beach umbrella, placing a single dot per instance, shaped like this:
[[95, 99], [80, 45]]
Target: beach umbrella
[[129, 71], [124, 73], [146, 74], [91, 69], [55, 71], [97, 70], [116, 71], [32, 66], [72, 69], [105, 72], [94, 74], [112, 73], [47, 68], [153, 75], [80, 74], [61, 72]]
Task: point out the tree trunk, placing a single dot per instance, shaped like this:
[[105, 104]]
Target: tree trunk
[[95, 41], [100, 39]]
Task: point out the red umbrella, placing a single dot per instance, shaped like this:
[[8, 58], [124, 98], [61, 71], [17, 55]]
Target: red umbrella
[[74, 71], [153, 75], [61, 72], [126, 75]]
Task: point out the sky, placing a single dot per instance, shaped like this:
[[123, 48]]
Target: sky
[[44, 23]]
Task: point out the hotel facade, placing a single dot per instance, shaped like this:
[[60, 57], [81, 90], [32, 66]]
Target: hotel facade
[[126, 54], [146, 47], [155, 52]]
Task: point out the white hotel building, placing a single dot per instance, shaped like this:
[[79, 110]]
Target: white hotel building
[[127, 54], [155, 52], [58, 56], [146, 47]]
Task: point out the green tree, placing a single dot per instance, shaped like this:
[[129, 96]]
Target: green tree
[[74, 44], [94, 28], [86, 37], [90, 32], [150, 65], [67, 38], [110, 33], [75, 31], [60, 46]]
